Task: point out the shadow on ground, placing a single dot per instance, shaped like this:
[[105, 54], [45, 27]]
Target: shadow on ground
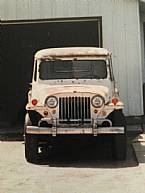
[[11, 137], [88, 155]]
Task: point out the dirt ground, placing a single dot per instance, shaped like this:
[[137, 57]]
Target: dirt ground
[[69, 169]]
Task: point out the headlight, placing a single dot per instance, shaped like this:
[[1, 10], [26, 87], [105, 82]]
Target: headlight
[[51, 101], [97, 101]]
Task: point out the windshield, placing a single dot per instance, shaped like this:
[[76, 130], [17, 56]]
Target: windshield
[[73, 69]]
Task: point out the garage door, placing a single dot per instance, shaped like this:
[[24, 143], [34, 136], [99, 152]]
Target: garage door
[[21, 39]]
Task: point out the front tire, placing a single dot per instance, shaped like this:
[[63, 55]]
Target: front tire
[[31, 143], [119, 141], [31, 148]]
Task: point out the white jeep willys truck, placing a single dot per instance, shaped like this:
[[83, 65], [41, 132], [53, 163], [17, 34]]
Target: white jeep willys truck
[[73, 93]]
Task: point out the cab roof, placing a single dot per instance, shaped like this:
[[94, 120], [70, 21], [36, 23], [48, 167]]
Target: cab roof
[[71, 52]]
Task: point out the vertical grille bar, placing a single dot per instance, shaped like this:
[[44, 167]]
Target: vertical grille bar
[[83, 117], [88, 109], [70, 107], [85, 107], [63, 109], [60, 108], [76, 113]]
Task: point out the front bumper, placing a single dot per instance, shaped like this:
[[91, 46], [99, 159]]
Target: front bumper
[[73, 130]]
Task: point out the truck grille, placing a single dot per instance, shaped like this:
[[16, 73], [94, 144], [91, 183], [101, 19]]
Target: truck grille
[[74, 110]]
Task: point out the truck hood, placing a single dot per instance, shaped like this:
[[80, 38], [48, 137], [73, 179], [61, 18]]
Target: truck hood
[[42, 91]]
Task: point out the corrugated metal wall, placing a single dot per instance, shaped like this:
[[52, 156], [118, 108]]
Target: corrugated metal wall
[[142, 29], [121, 35]]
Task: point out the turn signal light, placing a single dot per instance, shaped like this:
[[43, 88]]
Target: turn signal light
[[34, 102], [115, 101]]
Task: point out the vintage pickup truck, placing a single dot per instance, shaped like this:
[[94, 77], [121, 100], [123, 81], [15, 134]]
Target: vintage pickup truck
[[74, 93]]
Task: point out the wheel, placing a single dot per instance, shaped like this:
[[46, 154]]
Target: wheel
[[31, 148], [31, 143], [119, 141]]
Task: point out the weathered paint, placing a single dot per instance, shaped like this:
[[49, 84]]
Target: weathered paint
[[66, 89], [70, 51], [121, 35]]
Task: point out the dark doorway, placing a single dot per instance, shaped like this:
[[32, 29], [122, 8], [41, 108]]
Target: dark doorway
[[21, 39]]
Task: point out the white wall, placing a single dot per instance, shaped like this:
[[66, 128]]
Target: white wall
[[121, 35], [142, 21]]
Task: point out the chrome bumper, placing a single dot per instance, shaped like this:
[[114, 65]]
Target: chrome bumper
[[73, 130]]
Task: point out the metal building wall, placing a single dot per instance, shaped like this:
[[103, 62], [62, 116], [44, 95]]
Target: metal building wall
[[121, 35], [142, 30]]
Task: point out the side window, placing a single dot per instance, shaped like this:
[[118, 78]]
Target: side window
[[35, 71]]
